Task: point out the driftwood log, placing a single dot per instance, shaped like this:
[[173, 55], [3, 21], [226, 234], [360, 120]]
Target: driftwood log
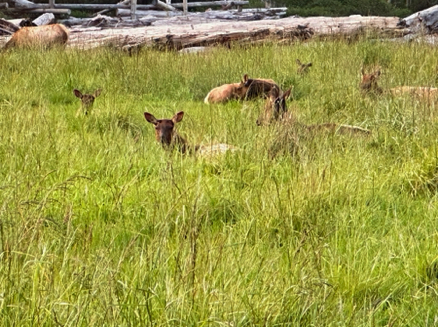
[[183, 32], [425, 21], [189, 31]]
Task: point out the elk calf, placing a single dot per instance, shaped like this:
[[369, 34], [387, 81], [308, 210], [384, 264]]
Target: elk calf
[[87, 100], [167, 136], [303, 68], [369, 82], [44, 36]]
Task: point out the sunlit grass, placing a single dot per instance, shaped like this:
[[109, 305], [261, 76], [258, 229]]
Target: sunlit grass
[[101, 226]]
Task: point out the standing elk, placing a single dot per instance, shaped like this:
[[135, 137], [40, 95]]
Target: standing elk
[[87, 100], [248, 88], [168, 137], [44, 36], [303, 68]]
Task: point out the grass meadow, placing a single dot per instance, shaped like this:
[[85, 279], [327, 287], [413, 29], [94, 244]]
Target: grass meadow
[[99, 226]]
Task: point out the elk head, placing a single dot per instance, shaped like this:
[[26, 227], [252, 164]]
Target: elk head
[[87, 99], [369, 82], [165, 132]]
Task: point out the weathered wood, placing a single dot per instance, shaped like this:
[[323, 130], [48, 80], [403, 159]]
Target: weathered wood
[[24, 3], [133, 9], [95, 6], [4, 5], [425, 20], [8, 27], [209, 4], [44, 19], [156, 13], [164, 6], [52, 3], [185, 7], [42, 10]]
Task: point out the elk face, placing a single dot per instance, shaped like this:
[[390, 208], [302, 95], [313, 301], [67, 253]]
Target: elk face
[[87, 99], [164, 128], [369, 82], [303, 68]]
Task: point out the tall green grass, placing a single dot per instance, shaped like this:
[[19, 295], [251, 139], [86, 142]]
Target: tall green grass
[[101, 226]]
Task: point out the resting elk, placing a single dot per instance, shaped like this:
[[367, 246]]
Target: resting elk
[[303, 68], [44, 36], [168, 137], [276, 111], [369, 84], [87, 100], [248, 88]]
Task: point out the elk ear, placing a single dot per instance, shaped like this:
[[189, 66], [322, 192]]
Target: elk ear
[[362, 71], [150, 118], [309, 64], [245, 78], [97, 93], [178, 117], [377, 73], [275, 93], [287, 93], [298, 62], [77, 93]]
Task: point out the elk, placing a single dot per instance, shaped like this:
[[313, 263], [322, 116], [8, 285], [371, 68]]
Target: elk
[[369, 82], [303, 68], [276, 111], [275, 107], [87, 100], [168, 137], [248, 88], [44, 36]]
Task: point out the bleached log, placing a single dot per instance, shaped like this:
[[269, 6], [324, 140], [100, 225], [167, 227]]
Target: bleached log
[[44, 19], [39, 10], [155, 13], [96, 6], [24, 3], [426, 20], [4, 5], [209, 4], [164, 6]]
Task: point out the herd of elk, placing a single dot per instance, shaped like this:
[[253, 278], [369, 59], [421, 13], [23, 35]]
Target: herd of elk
[[248, 88]]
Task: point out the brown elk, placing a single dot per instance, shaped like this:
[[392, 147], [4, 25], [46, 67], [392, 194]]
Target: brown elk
[[168, 137], [275, 107], [44, 36], [248, 88], [303, 68], [276, 111], [369, 82], [87, 100]]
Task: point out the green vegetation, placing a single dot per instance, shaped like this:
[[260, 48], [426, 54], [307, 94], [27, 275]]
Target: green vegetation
[[100, 226]]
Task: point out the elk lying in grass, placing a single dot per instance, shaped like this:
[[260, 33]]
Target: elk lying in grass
[[87, 100], [248, 88], [276, 111], [303, 68], [44, 36], [166, 134], [369, 84]]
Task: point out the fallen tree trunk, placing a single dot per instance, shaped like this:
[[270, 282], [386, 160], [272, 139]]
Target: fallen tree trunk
[[182, 32]]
